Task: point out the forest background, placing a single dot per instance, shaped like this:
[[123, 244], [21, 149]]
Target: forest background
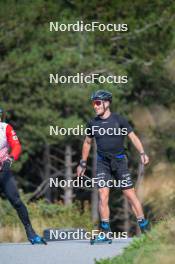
[[29, 52]]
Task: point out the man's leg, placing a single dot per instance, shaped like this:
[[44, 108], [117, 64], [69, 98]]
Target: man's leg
[[103, 175], [134, 201], [137, 209], [103, 203], [11, 192], [104, 217], [129, 192]]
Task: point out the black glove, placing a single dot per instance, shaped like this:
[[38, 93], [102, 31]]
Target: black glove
[[7, 164]]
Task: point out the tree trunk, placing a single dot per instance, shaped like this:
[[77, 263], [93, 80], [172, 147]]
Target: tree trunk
[[126, 215], [68, 192], [48, 193], [140, 189], [139, 183]]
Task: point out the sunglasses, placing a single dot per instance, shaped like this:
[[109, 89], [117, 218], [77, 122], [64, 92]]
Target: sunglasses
[[96, 102]]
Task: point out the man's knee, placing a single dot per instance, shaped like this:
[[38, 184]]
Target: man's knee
[[16, 202], [129, 193], [103, 198]]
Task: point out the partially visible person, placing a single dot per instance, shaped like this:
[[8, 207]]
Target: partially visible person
[[10, 150]]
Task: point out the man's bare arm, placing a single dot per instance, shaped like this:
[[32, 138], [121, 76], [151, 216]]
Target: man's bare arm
[[85, 153], [86, 148], [136, 142], [138, 145]]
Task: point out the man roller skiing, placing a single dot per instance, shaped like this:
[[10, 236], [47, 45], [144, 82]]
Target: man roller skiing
[[9, 140], [111, 158]]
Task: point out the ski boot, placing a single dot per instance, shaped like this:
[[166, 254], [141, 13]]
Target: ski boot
[[102, 237], [33, 237], [144, 225], [37, 240]]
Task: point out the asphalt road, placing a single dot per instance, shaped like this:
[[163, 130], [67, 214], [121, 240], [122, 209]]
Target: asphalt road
[[67, 252]]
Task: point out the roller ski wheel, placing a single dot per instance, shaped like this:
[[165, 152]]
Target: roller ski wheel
[[100, 240], [37, 240]]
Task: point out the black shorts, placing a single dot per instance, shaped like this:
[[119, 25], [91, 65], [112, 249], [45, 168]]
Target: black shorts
[[113, 176]]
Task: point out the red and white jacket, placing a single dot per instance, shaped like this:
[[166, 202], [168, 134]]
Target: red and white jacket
[[8, 141]]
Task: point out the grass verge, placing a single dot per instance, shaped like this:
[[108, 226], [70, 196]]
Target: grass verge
[[155, 247], [43, 216]]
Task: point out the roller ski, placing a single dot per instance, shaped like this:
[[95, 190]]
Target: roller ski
[[34, 238], [144, 225], [100, 239], [37, 240], [103, 236]]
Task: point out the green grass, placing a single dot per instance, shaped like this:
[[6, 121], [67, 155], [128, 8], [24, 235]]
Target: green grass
[[158, 247], [43, 216]]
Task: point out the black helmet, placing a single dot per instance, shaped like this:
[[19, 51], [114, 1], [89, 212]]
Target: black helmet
[[2, 114], [102, 95]]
